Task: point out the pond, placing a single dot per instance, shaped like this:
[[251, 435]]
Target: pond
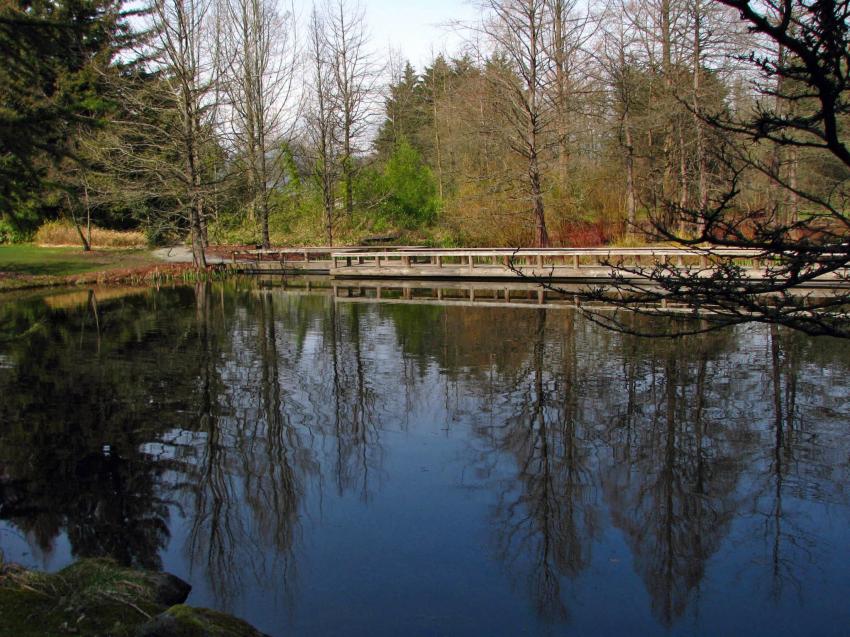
[[324, 467]]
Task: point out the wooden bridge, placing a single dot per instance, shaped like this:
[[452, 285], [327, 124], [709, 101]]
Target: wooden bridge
[[489, 264]]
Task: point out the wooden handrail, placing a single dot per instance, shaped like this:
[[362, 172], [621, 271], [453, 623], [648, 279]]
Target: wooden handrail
[[551, 252]]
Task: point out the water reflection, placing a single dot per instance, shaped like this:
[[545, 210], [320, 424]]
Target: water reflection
[[546, 517], [673, 492], [354, 424], [243, 436]]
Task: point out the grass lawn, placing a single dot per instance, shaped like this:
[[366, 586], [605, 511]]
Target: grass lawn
[[32, 260]]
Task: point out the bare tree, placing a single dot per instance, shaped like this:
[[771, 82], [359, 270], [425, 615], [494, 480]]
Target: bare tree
[[569, 29], [808, 47], [698, 16], [321, 122], [258, 69], [517, 31], [153, 154], [618, 67], [180, 42], [149, 155], [354, 79]]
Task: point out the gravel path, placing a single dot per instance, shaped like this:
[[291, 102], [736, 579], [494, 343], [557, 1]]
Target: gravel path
[[182, 254]]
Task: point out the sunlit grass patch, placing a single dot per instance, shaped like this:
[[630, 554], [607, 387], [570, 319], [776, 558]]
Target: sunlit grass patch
[[32, 260]]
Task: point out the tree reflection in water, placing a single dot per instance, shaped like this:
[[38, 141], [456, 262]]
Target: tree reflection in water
[[245, 468], [792, 457], [546, 516], [354, 424], [671, 486], [244, 411], [74, 420]]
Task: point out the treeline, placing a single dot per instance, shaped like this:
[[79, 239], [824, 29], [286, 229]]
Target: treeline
[[561, 122]]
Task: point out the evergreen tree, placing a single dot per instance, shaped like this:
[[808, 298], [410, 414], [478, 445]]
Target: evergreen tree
[[410, 186], [52, 87], [405, 114]]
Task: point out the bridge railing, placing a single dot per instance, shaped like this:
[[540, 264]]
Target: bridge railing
[[575, 258], [308, 254]]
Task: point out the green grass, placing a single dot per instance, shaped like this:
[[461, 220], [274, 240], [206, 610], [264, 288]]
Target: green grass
[[31, 260]]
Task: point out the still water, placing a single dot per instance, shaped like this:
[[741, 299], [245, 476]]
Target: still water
[[319, 467]]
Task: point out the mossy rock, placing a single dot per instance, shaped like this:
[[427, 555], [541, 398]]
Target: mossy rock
[[185, 621], [91, 597], [25, 613], [99, 578]]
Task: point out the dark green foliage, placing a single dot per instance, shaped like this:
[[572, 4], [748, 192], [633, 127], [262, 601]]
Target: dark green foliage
[[402, 192], [410, 187], [51, 88], [414, 113], [406, 114]]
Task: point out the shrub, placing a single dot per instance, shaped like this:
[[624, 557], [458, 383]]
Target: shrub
[[413, 188], [586, 234], [10, 233], [405, 191]]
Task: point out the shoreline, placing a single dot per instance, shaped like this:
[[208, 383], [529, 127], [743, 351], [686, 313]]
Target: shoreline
[[142, 276]]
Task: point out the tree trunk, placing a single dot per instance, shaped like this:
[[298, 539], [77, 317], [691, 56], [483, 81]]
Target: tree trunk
[[683, 182], [197, 186], [263, 193], [792, 181], [631, 203], [196, 206], [667, 73], [774, 205], [541, 236], [702, 178], [329, 223], [437, 149], [199, 258], [559, 56], [348, 172], [88, 214], [86, 245]]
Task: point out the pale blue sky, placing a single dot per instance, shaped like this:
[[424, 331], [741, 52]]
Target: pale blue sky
[[416, 28]]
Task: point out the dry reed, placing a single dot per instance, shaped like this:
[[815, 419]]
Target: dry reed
[[63, 233]]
